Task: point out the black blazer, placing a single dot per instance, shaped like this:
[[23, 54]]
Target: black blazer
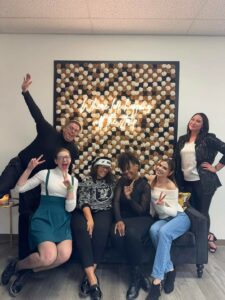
[[206, 150]]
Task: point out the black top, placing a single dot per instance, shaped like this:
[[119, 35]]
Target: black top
[[138, 205], [47, 141], [97, 195], [206, 150]]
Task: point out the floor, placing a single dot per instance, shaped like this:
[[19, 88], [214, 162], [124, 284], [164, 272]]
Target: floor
[[63, 282]]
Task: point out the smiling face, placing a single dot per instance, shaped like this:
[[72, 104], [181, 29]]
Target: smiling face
[[63, 160], [102, 171], [195, 124], [71, 131], [162, 169]]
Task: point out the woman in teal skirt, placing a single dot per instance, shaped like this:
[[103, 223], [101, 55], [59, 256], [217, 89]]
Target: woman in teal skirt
[[50, 234]]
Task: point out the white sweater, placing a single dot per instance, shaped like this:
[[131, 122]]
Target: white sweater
[[171, 205], [55, 186]]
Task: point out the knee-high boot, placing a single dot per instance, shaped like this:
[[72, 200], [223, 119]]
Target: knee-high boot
[[135, 283]]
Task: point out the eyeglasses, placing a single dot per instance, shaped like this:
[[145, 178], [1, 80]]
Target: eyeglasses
[[67, 157]]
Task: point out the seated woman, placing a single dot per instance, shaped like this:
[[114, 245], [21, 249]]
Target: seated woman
[[50, 234], [131, 209], [172, 223], [91, 223]]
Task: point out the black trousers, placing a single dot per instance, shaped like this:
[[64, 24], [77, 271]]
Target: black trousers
[[10, 175], [131, 245], [199, 200], [28, 202], [92, 248]]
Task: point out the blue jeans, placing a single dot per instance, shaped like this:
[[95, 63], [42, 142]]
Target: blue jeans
[[162, 233]]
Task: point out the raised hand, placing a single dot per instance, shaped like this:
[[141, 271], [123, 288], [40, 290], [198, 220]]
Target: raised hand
[[66, 180], [34, 162], [161, 201], [26, 83], [128, 189]]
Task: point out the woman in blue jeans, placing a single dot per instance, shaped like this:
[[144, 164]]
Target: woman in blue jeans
[[172, 223]]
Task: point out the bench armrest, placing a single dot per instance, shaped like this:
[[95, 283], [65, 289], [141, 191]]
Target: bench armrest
[[199, 226]]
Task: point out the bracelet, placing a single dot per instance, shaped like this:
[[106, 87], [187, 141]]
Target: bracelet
[[70, 188]]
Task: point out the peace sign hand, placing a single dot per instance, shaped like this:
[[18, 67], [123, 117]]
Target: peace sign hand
[[34, 162], [128, 189], [66, 180], [161, 201]]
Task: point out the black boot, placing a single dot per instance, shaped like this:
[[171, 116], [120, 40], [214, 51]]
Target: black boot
[[145, 283], [84, 287], [17, 285], [155, 292], [169, 281], [135, 284], [95, 292], [9, 271]]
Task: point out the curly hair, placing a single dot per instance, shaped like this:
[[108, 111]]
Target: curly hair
[[125, 159]]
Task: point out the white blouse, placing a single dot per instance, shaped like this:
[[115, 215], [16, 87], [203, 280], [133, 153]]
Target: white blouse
[[170, 206], [56, 186], [188, 162]]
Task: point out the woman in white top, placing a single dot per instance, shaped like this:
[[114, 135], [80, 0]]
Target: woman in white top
[[172, 223], [50, 234], [194, 155]]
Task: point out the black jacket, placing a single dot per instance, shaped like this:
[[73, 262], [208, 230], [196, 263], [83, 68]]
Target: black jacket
[[47, 141], [138, 205], [206, 150]]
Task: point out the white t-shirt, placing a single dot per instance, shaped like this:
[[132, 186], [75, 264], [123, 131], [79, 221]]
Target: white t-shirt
[[188, 162]]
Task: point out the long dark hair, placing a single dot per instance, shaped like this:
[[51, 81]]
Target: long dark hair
[[109, 178], [171, 166], [204, 130]]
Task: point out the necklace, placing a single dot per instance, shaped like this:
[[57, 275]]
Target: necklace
[[134, 180]]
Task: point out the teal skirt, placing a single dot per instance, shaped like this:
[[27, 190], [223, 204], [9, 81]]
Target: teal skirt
[[50, 222]]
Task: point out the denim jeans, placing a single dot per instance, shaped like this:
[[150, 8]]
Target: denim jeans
[[162, 233]]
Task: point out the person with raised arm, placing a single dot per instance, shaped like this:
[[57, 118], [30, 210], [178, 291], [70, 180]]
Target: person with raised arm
[[48, 139]]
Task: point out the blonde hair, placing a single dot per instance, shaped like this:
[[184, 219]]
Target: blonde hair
[[74, 121]]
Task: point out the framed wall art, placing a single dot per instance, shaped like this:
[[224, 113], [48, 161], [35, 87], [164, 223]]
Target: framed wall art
[[122, 106]]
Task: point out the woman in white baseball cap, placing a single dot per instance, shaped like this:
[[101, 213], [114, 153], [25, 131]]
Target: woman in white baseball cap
[[91, 222]]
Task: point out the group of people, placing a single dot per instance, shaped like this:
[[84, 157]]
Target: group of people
[[127, 209]]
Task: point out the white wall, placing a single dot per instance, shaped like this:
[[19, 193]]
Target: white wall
[[202, 77]]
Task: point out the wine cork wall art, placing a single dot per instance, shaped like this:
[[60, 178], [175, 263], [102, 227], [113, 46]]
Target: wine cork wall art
[[122, 106]]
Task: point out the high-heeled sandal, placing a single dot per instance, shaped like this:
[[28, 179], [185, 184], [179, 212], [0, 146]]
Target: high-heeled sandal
[[211, 242]]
